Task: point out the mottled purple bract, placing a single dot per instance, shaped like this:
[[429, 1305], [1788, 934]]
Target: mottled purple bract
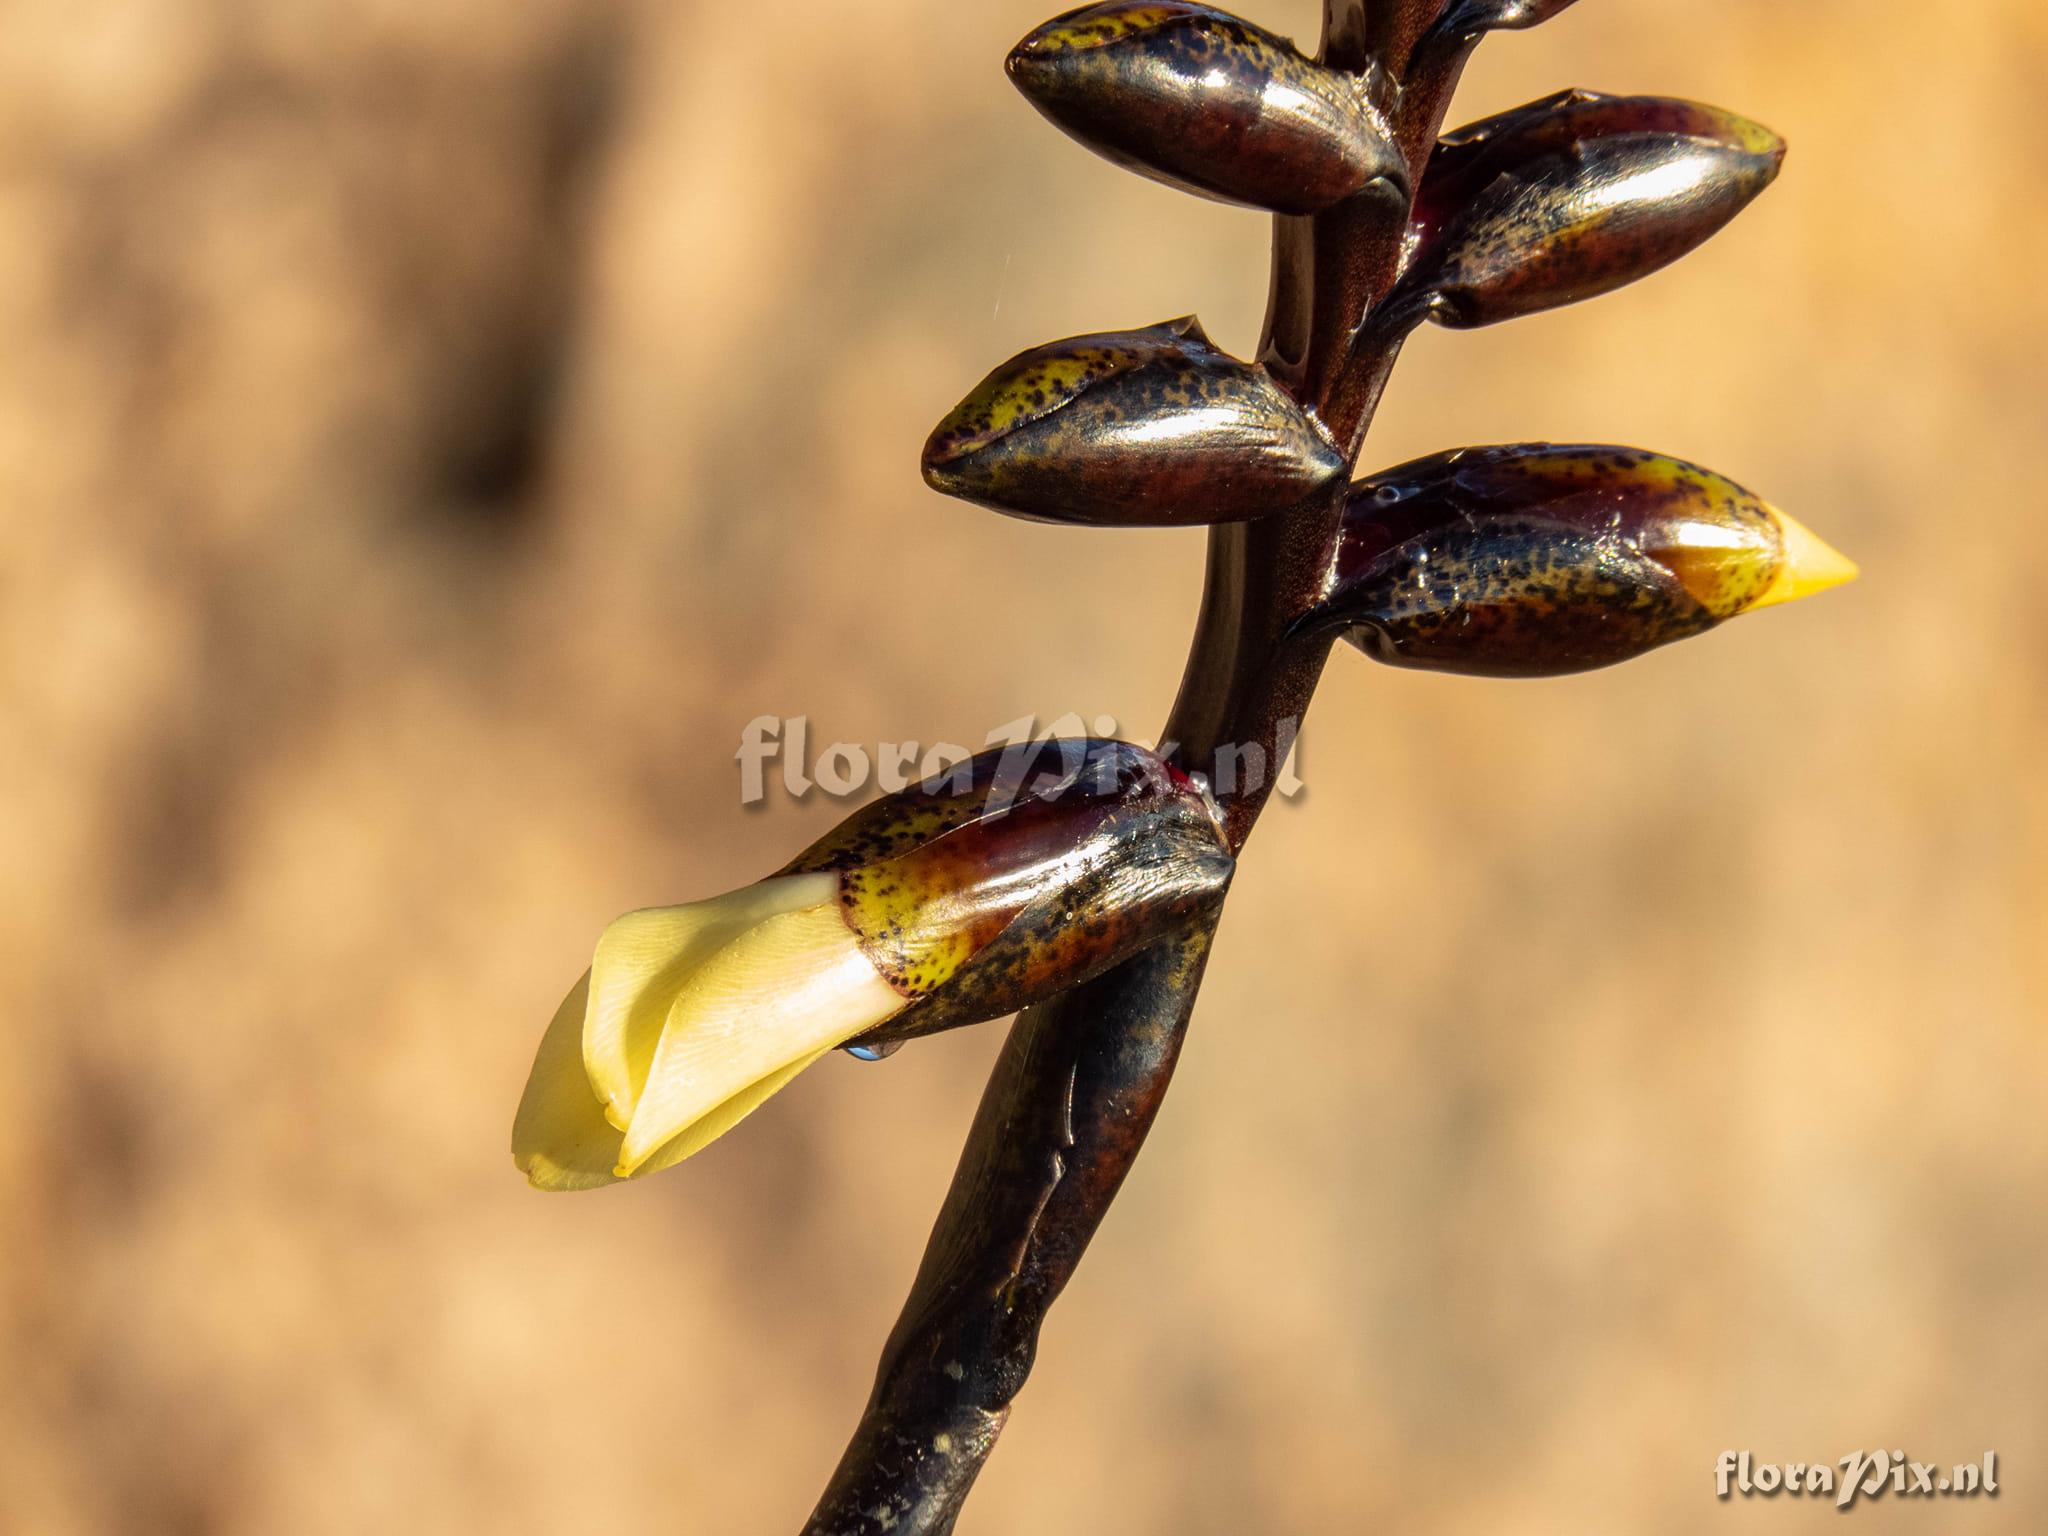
[[1535, 560], [1146, 428], [1571, 197], [1210, 103], [1023, 871]]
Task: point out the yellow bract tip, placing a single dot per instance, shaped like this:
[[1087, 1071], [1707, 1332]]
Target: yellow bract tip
[[1810, 565]]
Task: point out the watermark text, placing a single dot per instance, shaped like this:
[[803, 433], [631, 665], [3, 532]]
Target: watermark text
[[845, 769], [1862, 1475]]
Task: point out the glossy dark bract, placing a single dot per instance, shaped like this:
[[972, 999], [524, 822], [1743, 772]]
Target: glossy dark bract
[[1020, 872], [1208, 102], [1535, 559], [1469, 18], [1571, 197], [1153, 427]]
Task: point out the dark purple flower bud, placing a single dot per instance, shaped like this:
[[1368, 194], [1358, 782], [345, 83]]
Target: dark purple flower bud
[[1535, 560], [1153, 427], [1204, 101], [1572, 197]]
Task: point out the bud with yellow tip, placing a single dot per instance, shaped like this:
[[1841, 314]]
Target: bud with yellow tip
[[1534, 560], [924, 911]]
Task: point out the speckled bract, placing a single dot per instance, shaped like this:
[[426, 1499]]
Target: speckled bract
[[1535, 560], [1209, 103], [1029, 870], [1146, 428], [1571, 197]]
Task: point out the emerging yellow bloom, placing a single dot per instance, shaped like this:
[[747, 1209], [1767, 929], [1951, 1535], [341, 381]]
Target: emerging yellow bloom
[[688, 1018], [962, 905]]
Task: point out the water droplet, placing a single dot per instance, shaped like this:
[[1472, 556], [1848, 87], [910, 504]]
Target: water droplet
[[875, 1050]]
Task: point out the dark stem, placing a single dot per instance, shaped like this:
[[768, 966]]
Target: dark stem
[[1080, 1078], [1071, 1098]]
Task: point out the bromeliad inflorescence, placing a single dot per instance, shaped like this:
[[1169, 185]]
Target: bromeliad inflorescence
[[1082, 884]]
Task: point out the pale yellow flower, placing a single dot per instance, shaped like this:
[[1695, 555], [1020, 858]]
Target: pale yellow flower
[[688, 1019]]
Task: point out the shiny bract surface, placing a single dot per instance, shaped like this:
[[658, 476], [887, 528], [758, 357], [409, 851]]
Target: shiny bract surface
[[1572, 197], [1535, 560], [1099, 26], [1469, 18], [1207, 102], [1033, 869], [1153, 427]]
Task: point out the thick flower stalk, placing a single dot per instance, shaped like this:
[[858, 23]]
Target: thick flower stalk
[[1017, 877]]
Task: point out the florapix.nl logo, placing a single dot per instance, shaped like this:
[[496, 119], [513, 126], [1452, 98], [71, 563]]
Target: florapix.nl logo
[[777, 750]]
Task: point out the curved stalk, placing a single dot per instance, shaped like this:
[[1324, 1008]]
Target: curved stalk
[[1081, 1078]]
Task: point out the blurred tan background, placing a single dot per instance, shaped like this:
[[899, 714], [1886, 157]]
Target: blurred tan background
[[430, 431]]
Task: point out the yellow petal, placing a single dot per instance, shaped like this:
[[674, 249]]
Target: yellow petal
[[722, 1119], [747, 1020], [560, 1138], [643, 957], [1810, 564]]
